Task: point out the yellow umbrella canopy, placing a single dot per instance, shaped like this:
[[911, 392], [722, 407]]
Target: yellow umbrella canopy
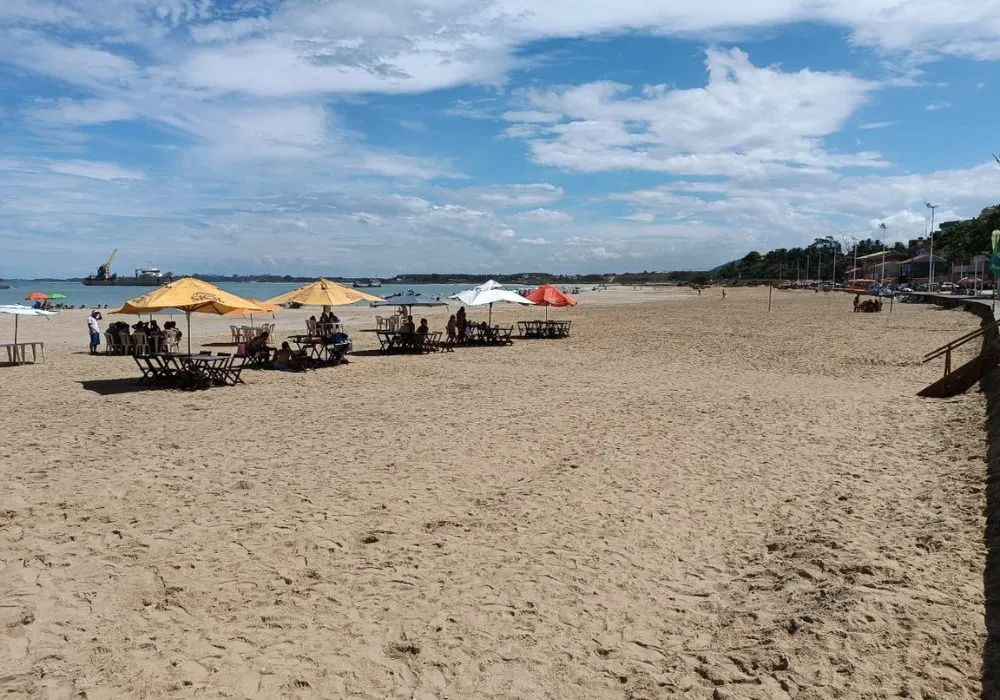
[[190, 295], [323, 293]]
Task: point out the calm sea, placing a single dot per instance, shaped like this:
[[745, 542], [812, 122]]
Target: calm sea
[[77, 293]]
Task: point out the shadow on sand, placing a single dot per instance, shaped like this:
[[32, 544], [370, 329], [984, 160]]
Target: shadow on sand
[[112, 387]]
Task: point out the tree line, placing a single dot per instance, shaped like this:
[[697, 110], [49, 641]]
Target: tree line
[[961, 240], [957, 241], [815, 261]]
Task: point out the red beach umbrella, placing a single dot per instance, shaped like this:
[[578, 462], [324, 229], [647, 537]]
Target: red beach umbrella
[[547, 296], [36, 296]]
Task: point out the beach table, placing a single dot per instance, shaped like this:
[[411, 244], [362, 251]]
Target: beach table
[[317, 349], [492, 335], [17, 353], [189, 371], [544, 329], [397, 341], [203, 369]]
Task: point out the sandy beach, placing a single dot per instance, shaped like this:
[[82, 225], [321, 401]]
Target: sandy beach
[[687, 498]]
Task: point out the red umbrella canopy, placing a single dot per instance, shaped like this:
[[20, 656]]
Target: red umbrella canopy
[[36, 296], [547, 295]]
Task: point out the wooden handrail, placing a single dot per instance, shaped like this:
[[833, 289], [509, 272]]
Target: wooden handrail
[[958, 342]]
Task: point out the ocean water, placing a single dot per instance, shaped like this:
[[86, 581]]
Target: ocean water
[[77, 293]]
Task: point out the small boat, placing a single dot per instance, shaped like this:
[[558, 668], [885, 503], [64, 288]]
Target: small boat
[[358, 284]]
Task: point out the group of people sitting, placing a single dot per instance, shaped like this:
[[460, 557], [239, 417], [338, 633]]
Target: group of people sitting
[[457, 328], [327, 317], [284, 358], [409, 327], [868, 306], [150, 329]]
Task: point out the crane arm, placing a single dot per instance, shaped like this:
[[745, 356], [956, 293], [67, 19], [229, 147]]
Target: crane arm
[[111, 258]]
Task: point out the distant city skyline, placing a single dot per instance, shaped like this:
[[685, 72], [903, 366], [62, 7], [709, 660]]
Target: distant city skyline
[[351, 138]]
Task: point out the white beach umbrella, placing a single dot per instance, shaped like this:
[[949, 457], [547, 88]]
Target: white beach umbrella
[[490, 292], [19, 310]]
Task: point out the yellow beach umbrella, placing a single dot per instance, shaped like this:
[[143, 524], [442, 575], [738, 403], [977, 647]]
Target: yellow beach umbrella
[[189, 295], [323, 293]]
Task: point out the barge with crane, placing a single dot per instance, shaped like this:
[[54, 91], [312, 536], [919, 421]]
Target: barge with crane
[[148, 276]]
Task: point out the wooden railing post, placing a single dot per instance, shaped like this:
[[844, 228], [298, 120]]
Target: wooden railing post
[[947, 362]]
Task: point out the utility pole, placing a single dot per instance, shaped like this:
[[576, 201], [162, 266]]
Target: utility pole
[[882, 280], [930, 281], [854, 274]]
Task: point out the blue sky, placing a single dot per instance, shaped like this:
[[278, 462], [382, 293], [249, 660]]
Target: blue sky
[[358, 138]]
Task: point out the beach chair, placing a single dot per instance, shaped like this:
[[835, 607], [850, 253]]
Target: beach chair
[[172, 340], [234, 331], [111, 345], [232, 370], [148, 370], [140, 343], [126, 342]]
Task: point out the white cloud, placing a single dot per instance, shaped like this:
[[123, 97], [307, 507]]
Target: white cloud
[[512, 196], [534, 241], [781, 212], [216, 32], [602, 253], [69, 112], [95, 170], [544, 216], [878, 125], [77, 64], [747, 121], [934, 106]]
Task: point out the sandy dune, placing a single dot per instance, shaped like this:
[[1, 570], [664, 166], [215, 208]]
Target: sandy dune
[[687, 498]]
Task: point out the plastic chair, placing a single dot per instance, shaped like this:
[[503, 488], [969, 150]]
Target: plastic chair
[[140, 343], [173, 340]]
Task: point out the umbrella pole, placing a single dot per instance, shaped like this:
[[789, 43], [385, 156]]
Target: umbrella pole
[[188, 314], [546, 313], [15, 329], [490, 322]]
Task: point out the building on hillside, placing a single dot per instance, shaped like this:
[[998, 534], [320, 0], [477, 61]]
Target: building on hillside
[[976, 267], [918, 268], [870, 266]]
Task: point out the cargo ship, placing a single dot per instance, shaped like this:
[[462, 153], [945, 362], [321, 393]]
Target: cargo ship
[[148, 276]]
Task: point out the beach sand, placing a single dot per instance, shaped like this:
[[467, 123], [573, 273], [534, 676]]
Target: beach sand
[[688, 497]]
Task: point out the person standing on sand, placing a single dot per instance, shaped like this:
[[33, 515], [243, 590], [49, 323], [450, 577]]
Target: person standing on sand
[[723, 295], [95, 331]]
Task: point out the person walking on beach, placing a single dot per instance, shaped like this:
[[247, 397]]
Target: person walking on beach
[[723, 295], [95, 331]]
